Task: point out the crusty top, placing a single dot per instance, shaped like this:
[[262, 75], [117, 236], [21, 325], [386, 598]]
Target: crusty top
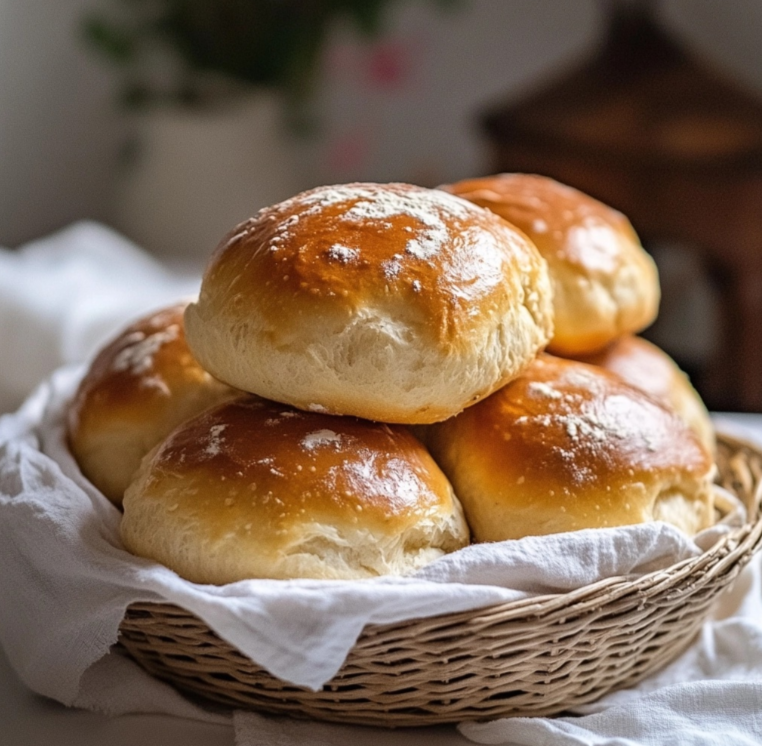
[[136, 390], [338, 249], [650, 369], [604, 283], [252, 488], [137, 370], [566, 446], [641, 364], [559, 408], [566, 225], [290, 463]]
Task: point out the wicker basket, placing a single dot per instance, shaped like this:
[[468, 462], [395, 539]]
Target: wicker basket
[[538, 656]]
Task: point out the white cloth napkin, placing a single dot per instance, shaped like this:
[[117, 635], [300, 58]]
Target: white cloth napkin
[[61, 297], [65, 579]]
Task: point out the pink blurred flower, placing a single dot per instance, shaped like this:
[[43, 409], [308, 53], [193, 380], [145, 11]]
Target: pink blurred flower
[[389, 64]]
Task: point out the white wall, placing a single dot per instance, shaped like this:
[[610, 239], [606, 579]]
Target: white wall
[[59, 136]]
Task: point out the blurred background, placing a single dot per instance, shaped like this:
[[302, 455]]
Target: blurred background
[[171, 126]]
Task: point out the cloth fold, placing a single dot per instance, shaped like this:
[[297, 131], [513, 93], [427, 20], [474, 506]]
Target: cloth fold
[[66, 578]]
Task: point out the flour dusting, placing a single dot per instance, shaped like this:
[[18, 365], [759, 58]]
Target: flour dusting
[[214, 446], [137, 357], [392, 267], [538, 389], [319, 438], [371, 204], [343, 254]]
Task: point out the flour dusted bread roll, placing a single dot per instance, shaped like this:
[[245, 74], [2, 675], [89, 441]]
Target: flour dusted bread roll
[[568, 446], [650, 369], [253, 489], [138, 388], [604, 283], [385, 301]]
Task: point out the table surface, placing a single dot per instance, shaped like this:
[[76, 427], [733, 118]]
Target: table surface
[[30, 720]]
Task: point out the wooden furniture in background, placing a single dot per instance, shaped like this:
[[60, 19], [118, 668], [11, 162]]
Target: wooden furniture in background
[[649, 129]]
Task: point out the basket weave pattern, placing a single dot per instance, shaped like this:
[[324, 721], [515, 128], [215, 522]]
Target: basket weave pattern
[[538, 656]]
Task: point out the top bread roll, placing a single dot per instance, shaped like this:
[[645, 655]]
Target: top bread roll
[[138, 388], [604, 283], [386, 301], [569, 446], [645, 366]]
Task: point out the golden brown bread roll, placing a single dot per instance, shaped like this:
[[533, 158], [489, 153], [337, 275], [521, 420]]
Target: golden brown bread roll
[[650, 369], [385, 301], [138, 388], [568, 446], [604, 283], [253, 489]]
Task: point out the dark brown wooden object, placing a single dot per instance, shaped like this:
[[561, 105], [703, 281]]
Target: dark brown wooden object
[[647, 128]]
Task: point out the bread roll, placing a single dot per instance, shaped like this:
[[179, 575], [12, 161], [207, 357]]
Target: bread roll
[[138, 388], [388, 302], [253, 489], [650, 369], [569, 446], [604, 283]]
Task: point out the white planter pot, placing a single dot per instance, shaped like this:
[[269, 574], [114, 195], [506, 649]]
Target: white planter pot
[[197, 174]]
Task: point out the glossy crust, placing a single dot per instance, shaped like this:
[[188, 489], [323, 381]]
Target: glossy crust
[[568, 446], [384, 301], [254, 489], [138, 388], [604, 283], [650, 369]]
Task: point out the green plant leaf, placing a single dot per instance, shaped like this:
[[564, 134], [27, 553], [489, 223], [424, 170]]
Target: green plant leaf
[[116, 43], [260, 43]]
